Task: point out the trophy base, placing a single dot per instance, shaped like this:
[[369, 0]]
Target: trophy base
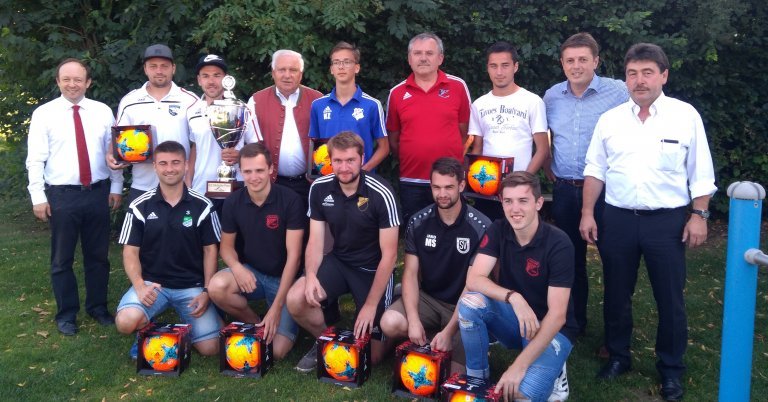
[[221, 189]]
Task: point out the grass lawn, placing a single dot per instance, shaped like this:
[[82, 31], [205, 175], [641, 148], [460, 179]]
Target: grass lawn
[[37, 363]]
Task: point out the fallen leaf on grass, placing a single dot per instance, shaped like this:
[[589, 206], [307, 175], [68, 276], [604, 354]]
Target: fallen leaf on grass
[[21, 384], [212, 387], [37, 309], [22, 297], [32, 367], [44, 334], [21, 335], [123, 396], [149, 392]]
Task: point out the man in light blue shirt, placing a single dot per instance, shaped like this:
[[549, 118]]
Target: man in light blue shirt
[[348, 108], [573, 108]]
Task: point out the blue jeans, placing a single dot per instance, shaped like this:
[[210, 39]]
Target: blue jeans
[[203, 328], [477, 320], [266, 288]]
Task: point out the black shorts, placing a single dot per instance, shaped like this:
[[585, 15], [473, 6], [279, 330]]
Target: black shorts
[[338, 279]]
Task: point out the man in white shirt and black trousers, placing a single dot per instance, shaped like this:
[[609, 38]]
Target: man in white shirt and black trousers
[[651, 154], [69, 183]]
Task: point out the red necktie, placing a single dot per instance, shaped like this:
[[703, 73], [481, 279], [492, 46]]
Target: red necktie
[[82, 148]]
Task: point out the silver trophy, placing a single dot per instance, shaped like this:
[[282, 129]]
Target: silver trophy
[[227, 118]]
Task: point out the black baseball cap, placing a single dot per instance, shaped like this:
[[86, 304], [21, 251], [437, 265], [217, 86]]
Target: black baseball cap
[[158, 50], [211, 60]]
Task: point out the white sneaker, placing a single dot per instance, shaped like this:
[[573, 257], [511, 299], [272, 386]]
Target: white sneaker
[[561, 391]]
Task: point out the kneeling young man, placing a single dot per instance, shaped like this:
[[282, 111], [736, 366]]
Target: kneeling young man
[[170, 236], [528, 306], [360, 210], [269, 220], [440, 241]]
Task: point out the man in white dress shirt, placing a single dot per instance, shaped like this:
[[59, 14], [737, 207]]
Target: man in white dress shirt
[[652, 156], [74, 197]]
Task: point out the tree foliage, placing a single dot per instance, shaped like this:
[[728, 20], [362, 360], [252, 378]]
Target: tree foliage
[[715, 47]]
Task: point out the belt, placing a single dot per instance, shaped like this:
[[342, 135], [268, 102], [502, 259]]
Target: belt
[[649, 212], [573, 182], [300, 177], [76, 187]]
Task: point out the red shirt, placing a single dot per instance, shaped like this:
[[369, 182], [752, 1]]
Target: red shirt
[[428, 123]]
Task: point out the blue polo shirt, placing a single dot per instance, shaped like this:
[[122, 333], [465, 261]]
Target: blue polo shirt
[[362, 115], [572, 121]]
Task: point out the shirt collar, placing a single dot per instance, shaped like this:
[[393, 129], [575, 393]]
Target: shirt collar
[[361, 187], [593, 86], [653, 109], [442, 78], [270, 197], [538, 238], [459, 218], [358, 95], [294, 97], [158, 196], [172, 92]]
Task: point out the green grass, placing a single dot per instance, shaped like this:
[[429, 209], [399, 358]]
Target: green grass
[[39, 364]]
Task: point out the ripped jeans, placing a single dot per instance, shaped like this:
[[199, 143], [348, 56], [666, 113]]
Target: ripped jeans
[[479, 316]]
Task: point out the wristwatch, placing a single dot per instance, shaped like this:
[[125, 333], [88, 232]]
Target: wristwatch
[[703, 213]]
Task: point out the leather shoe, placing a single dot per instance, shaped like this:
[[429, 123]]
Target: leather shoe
[[67, 328], [671, 389], [104, 318], [613, 370]]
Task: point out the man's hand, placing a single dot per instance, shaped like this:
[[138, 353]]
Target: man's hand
[[148, 293], [270, 322], [509, 383], [442, 342], [364, 322], [42, 211], [548, 172], [529, 324], [114, 164], [199, 304], [588, 228], [244, 278], [695, 232], [416, 332], [313, 291], [230, 155], [115, 200]]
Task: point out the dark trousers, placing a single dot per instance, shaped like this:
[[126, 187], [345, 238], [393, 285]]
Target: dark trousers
[[655, 236], [83, 214], [301, 187], [413, 198], [566, 212]]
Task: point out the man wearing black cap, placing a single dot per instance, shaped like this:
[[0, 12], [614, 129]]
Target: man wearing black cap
[[159, 103], [205, 155]]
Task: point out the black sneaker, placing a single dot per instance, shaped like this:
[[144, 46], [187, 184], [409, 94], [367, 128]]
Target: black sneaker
[[308, 363]]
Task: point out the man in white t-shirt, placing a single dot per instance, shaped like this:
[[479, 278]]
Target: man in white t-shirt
[[507, 121]]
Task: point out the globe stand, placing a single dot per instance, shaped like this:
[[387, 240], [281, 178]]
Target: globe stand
[[419, 371], [344, 338], [181, 351], [250, 339]]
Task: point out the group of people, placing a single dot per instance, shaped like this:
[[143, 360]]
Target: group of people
[[629, 165]]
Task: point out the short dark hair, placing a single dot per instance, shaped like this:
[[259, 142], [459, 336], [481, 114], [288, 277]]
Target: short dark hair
[[448, 167], [74, 60], [647, 52], [581, 39], [503, 47], [345, 46], [345, 140], [521, 178], [171, 147], [253, 150]]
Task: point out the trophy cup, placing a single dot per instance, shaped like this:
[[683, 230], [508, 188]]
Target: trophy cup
[[227, 118]]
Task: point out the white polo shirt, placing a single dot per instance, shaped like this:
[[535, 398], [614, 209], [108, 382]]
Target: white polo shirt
[[168, 118]]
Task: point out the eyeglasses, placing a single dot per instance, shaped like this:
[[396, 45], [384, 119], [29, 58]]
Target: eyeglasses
[[345, 63]]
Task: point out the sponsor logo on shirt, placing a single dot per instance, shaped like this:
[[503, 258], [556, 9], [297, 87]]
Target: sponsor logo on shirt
[[327, 113], [430, 241], [272, 221], [407, 95], [152, 216], [328, 201], [443, 93], [173, 109], [358, 113], [532, 267], [462, 244]]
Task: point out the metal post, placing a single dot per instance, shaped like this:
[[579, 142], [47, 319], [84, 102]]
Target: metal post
[[740, 291]]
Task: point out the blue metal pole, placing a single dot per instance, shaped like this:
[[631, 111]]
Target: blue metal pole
[[740, 291]]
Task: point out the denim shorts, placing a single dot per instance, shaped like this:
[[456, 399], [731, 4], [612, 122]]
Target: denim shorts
[[266, 288], [203, 328]]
